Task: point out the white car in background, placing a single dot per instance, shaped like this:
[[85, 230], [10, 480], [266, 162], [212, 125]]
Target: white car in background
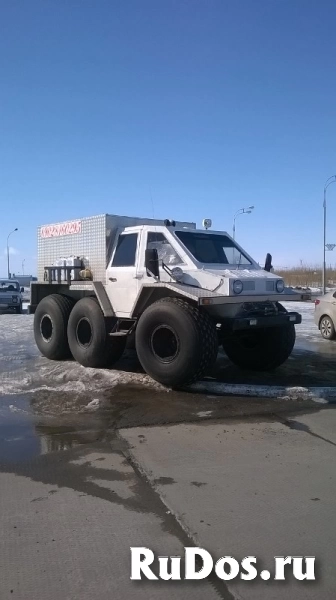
[[325, 315], [10, 295]]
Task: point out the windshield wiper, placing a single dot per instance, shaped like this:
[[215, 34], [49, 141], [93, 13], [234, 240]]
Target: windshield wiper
[[240, 257]]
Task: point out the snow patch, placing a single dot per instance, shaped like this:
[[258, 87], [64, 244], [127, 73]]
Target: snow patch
[[320, 395], [15, 409], [94, 404]]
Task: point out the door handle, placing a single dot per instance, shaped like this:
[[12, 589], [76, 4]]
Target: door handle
[[112, 278]]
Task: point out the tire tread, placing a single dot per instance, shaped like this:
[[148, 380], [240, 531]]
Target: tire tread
[[204, 326]]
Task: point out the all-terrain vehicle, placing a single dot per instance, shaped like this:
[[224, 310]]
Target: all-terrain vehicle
[[178, 290]]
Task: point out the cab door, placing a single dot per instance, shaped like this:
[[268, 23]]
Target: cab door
[[122, 280], [166, 253]]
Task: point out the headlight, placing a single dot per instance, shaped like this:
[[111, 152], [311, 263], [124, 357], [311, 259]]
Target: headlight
[[280, 286], [14, 298], [237, 286]]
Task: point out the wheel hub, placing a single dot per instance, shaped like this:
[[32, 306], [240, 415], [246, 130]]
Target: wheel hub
[[84, 332], [326, 327], [46, 328], [164, 343]]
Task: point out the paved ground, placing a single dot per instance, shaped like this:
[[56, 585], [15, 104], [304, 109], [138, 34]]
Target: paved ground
[[260, 487], [92, 462], [68, 521]]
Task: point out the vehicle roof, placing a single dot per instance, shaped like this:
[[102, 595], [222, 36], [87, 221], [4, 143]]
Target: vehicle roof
[[207, 231], [6, 280]]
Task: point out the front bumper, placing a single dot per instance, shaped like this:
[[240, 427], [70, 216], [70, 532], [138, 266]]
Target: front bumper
[[261, 322]]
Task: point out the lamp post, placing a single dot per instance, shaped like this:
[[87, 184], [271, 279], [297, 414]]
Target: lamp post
[[241, 211], [329, 181], [8, 271]]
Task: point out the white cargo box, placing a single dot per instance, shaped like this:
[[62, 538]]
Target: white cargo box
[[88, 240]]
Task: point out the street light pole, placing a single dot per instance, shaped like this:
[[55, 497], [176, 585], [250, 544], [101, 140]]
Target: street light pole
[[8, 271], [329, 181], [241, 211]]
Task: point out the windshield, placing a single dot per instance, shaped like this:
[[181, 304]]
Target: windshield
[[212, 248], [9, 286]]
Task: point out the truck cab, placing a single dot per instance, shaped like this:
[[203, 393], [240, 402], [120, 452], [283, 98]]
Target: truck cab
[[208, 260]]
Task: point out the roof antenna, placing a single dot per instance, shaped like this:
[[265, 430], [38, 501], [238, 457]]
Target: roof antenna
[[151, 197]]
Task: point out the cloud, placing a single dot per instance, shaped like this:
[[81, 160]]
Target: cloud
[[12, 251]]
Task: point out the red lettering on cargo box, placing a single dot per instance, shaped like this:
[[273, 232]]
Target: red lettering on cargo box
[[70, 228]]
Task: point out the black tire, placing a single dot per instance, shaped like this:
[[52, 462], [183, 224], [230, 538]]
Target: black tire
[[260, 350], [327, 328], [176, 342], [50, 326], [18, 309], [88, 336]]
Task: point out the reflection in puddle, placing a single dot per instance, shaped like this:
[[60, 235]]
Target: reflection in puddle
[[20, 442], [25, 433], [46, 422], [53, 439]]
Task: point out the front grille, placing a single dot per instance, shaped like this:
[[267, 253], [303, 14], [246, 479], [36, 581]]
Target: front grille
[[4, 300], [270, 286], [263, 309], [248, 286]]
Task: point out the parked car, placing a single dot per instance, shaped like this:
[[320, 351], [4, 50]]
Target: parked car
[[11, 295], [325, 315]]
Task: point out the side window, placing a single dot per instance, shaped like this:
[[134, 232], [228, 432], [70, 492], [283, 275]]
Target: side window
[[126, 250], [166, 252]]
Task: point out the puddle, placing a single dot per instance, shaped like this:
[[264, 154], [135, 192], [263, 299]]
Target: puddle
[[22, 438], [18, 441], [28, 429], [44, 422]]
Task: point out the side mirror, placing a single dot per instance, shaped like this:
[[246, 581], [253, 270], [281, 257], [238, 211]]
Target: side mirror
[[268, 263], [152, 262], [22, 290]]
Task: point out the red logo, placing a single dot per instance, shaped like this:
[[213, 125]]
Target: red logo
[[70, 228]]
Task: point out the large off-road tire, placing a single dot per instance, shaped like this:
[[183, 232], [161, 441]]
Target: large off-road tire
[[176, 342], [262, 349], [50, 326], [88, 336]]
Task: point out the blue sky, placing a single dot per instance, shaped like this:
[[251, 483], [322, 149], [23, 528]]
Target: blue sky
[[206, 106]]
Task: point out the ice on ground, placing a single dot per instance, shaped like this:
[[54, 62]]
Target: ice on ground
[[321, 395], [24, 370]]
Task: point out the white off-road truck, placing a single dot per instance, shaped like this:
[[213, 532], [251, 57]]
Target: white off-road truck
[[177, 290]]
